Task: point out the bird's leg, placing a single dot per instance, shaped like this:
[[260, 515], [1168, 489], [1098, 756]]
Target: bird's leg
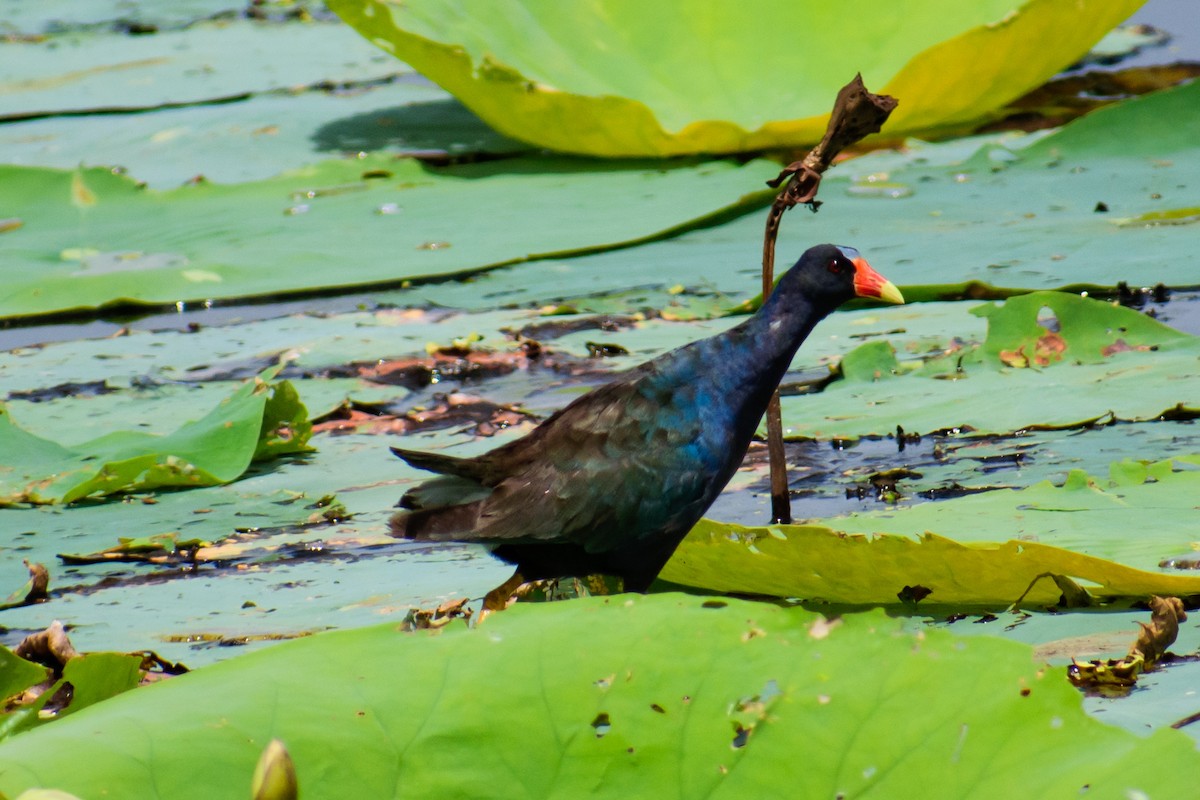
[[498, 599], [516, 588]]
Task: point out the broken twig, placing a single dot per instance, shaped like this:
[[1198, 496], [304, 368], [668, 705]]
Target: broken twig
[[856, 113]]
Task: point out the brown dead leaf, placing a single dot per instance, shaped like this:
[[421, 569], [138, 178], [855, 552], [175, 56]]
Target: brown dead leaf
[[1165, 615], [1015, 358], [1049, 348], [51, 647], [448, 410], [1148, 649], [35, 589], [1120, 346], [447, 612], [446, 363]]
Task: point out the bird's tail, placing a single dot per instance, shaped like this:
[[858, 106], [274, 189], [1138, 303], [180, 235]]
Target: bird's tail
[[471, 468]]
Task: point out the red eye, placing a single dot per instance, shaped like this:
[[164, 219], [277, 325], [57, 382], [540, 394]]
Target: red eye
[[836, 267]]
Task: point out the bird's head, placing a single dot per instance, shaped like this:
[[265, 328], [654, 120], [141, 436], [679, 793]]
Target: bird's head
[[831, 274]]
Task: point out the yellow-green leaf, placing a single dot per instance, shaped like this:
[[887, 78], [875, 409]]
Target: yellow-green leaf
[[814, 562], [618, 78]]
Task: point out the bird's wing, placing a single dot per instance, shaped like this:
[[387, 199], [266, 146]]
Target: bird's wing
[[601, 470], [574, 426], [442, 509], [442, 492]]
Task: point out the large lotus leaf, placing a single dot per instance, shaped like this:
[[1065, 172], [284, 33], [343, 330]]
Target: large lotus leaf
[[820, 564], [91, 238], [618, 79], [1078, 530], [612, 695], [260, 419], [1093, 360]]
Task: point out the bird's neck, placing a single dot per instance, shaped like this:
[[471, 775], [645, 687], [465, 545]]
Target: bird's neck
[[735, 373], [766, 343]]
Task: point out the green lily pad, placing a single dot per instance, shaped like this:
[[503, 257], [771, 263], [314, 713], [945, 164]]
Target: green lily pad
[[257, 138], [1013, 211], [618, 81], [79, 70], [919, 242], [260, 420], [93, 678], [1083, 331], [1099, 362], [31, 18], [1090, 515], [712, 697], [299, 575], [90, 238], [17, 674]]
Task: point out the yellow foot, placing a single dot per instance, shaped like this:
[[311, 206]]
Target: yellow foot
[[516, 588], [539, 591], [501, 597]]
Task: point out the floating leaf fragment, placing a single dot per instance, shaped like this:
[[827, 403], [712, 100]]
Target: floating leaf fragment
[[34, 590], [157, 549], [73, 682], [1176, 216], [261, 419]]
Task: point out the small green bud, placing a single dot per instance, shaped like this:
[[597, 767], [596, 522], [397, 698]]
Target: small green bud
[[275, 775]]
